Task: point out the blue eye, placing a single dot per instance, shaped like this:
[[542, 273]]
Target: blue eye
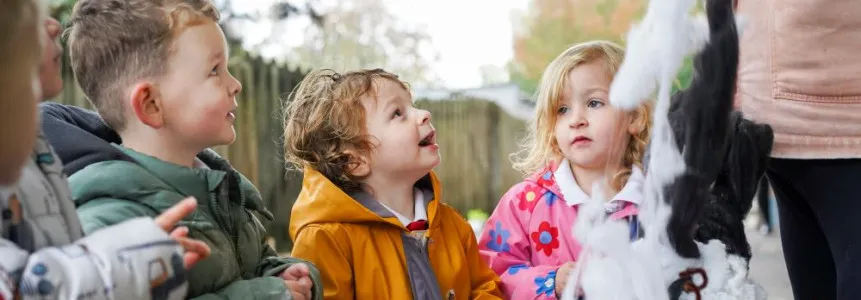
[[593, 103], [214, 71], [562, 110]]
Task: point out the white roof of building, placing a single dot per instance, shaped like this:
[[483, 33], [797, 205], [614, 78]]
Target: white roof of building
[[509, 97]]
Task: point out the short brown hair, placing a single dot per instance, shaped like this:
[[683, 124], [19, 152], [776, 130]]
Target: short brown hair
[[324, 123], [114, 43]]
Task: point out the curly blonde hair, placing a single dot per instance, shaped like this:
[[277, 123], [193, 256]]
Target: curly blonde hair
[[539, 148], [324, 123]]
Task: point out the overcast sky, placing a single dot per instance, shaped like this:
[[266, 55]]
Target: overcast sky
[[461, 47]]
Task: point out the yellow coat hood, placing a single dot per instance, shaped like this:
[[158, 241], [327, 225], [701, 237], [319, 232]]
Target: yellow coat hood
[[363, 251], [320, 201]]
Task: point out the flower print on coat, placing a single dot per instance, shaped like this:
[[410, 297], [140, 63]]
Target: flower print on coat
[[546, 179], [550, 198], [498, 238], [546, 238], [529, 198], [516, 268], [546, 284], [536, 245]]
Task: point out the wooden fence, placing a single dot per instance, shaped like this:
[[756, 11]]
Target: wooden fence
[[475, 136]]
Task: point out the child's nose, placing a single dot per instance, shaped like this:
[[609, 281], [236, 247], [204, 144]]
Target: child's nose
[[577, 119], [424, 116], [236, 87]]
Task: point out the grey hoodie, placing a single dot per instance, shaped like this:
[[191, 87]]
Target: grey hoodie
[[43, 254]]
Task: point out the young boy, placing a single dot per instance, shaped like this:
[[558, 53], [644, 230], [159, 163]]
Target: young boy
[[38, 217], [156, 71], [369, 213]]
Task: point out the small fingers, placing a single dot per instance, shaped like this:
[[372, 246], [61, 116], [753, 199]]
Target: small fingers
[[179, 232], [168, 219]]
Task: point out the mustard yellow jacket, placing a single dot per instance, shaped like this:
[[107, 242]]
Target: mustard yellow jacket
[[363, 251]]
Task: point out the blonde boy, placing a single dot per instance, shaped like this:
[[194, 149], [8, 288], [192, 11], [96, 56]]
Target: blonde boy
[[156, 71]]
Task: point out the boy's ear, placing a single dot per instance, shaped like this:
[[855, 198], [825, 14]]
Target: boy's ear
[[359, 165], [146, 104]]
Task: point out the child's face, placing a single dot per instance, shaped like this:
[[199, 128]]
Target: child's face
[[403, 137], [589, 132], [198, 93], [52, 52]]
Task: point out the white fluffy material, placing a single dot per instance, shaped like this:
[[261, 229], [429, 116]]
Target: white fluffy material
[[609, 266], [667, 33], [656, 48], [727, 276]]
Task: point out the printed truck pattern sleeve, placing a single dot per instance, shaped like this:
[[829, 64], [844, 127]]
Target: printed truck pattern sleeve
[[525, 258], [12, 262], [98, 266]]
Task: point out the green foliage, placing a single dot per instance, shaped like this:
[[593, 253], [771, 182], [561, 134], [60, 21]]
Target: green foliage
[[551, 26], [683, 80], [526, 83], [61, 10], [477, 214]]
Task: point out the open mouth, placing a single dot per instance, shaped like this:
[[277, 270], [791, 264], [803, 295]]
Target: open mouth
[[232, 114], [430, 139]]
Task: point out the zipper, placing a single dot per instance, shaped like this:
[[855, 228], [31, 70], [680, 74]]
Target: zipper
[[237, 225], [219, 218], [227, 226]]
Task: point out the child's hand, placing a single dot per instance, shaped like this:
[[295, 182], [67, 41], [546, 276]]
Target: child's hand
[[298, 281], [299, 289], [295, 272], [562, 275], [195, 250]]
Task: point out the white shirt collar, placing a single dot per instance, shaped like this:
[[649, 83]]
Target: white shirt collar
[[574, 195], [199, 164], [419, 209]]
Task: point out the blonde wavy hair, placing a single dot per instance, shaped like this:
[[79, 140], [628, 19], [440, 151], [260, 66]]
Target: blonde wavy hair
[[539, 148], [324, 123]]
